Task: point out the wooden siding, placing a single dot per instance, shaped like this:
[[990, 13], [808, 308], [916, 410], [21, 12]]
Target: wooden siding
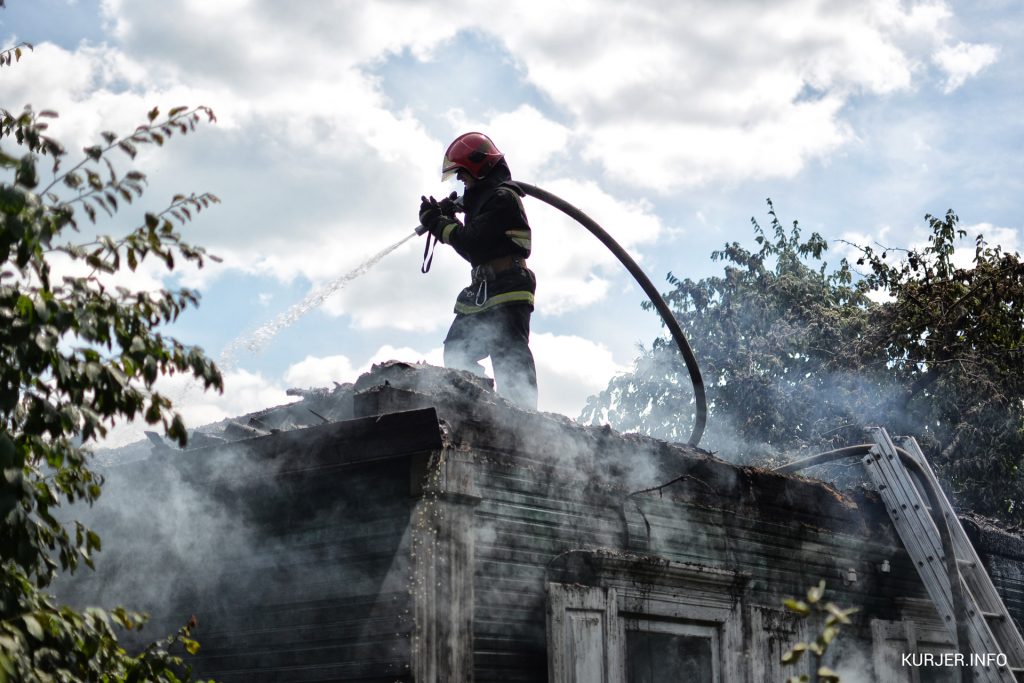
[[392, 546], [525, 524], [330, 600], [292, 550]]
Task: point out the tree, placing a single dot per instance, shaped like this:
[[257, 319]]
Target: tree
[[77, 355], [953, 338], [765, 333], [797, 357]]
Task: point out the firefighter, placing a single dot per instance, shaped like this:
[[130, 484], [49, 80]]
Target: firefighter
[[492, 314]]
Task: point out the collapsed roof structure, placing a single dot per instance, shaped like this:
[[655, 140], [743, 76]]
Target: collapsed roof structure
[[416, 526]]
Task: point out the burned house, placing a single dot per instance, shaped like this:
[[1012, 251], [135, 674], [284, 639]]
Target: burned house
[[416, 527]]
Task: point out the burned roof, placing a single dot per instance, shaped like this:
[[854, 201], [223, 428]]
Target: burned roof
[[475, 422]]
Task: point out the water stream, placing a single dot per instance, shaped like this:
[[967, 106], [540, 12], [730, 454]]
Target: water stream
[[257, 339], [191, 390]]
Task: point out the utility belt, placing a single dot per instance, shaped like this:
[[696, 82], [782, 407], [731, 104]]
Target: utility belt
[[488, 271], [491, 269]]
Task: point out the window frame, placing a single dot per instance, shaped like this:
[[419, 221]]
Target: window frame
[[629, 590], [891, 639], [773, 632], [646, 624]]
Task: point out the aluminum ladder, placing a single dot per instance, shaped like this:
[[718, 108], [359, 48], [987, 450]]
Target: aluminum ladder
[[991, 629]]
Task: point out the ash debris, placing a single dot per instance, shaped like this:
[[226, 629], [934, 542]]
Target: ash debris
[[458, 391]]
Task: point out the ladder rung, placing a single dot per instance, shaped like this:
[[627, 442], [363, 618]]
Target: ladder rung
[[966, 563], [993, 615]]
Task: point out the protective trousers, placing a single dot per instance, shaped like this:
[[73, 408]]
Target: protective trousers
[[503, 333]]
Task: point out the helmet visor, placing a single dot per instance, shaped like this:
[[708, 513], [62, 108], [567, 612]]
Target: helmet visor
[[448, 169]]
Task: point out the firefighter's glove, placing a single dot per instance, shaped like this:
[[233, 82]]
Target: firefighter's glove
[[433, 219], [429, 212], [448, 205]]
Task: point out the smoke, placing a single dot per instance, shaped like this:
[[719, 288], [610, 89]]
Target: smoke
[[268, 546], [851, 659], [253, 541], [165, 535], [753, 419]]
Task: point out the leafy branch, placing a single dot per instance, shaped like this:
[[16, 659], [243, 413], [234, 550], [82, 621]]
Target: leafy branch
[[179, 119], [834, 618], [14, 51], [27, 130], [75, 357], [156, 236], [41, 637]]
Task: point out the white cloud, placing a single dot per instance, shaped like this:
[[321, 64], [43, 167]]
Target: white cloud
[[312, 372], [434, 356], [564, 283], [963, 61], [315, 371], [570, 369], [395, 294], [1008, 239], [244, 392], [662, 97], [147, 277], [668, 155], [319, 170], [532, 143], [668, 97]]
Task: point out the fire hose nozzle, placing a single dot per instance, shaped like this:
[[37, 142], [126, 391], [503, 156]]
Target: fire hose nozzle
[[419, 229]]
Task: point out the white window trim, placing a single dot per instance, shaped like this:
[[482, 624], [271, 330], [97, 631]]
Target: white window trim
[[634, 590], [568, 605], [892, 639], [769, 624]]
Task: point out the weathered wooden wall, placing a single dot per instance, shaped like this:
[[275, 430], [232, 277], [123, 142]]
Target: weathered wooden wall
[[783, 534], [546, 487], [324, 595], [418, 540], [292, 550], [529, 515]]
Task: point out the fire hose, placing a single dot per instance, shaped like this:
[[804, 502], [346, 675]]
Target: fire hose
[[700, 399]]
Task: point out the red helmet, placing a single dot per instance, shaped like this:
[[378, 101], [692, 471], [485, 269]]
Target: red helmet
[[472, 152]]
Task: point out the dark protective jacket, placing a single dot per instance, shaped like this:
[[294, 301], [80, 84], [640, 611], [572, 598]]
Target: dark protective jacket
[[495, 228]]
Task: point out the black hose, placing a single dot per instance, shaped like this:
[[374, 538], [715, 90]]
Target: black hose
[[822, 458], [649, 289], [910, 462]]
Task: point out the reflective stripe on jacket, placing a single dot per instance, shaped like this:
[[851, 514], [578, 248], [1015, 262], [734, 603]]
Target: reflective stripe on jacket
[[495, 226]]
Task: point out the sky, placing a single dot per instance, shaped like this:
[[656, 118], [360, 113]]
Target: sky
[[669, 123]]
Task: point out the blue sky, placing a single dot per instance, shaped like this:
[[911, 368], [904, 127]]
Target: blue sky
[[669, 123]]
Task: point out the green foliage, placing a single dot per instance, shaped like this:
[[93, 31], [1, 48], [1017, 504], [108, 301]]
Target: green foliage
[[796, 357], [953, 338], [834, 619], [77, 355], [768, 334]]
